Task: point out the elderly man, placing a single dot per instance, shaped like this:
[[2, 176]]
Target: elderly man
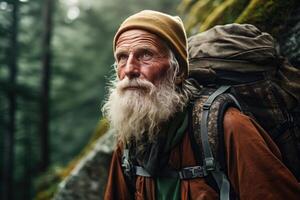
[[148, 108]]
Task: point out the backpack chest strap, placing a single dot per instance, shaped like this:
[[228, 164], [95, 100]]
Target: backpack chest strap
[[183, 174]]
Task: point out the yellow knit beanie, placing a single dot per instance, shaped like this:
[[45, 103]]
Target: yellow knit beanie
[[169, 28]]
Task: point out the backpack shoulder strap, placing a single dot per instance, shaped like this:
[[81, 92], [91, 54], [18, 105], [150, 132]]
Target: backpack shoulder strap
[[208, 115]]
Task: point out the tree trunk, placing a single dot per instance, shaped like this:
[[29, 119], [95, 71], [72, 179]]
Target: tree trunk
[[45, 85], [8, 154], [27, 158]]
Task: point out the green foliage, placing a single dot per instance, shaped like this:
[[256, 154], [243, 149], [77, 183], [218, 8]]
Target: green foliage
[[47, 184], [268, 15]]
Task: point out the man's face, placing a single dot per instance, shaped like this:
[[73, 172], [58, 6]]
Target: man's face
[[140, 54], [144, 94]]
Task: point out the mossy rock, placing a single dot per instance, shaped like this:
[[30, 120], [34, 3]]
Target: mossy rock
[[88, 179], [47, 185], [268, 15]]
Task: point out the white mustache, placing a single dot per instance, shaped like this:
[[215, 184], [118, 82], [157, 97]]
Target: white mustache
[[135, 83]]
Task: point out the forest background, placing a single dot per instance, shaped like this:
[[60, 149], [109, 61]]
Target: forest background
[[55, 61]]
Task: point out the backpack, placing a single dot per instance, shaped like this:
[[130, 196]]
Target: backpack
[[237, 65]]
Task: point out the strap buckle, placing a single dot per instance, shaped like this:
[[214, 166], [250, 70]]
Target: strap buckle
[[206, 106], [210, 164], [140, 171], [192, 172]]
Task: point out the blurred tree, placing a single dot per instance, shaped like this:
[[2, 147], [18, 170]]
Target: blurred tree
[[8, 150], [24, 94], [45, 85], [5, 18]]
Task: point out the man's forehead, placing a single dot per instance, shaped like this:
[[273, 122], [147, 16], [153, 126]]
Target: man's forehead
[[135, 37]]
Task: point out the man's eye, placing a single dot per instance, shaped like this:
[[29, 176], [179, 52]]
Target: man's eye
[[145, 56], [122, 57]]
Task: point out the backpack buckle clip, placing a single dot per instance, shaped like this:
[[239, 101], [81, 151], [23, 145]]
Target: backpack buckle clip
[[210, 164], [192, 172], [206, 106]]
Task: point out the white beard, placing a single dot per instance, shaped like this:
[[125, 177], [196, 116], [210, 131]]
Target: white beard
[[132, 113]]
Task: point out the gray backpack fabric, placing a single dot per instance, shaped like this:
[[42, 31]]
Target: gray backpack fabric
[[266, 86], [244, 50]]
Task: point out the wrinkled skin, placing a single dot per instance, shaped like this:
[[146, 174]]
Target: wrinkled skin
[[140, 54]]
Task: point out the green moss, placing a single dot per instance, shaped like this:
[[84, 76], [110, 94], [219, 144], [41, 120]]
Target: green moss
[[256, 12], [268, 15], [184, 5], [198, 12], [207, 13], [47, 194], [233, 11], [47, 184], [216, 16]]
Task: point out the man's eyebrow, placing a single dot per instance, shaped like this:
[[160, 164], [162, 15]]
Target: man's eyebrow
[[147, 48], [120, 51], [153, 49]]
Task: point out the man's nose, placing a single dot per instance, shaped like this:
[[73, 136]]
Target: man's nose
[[132, 68]]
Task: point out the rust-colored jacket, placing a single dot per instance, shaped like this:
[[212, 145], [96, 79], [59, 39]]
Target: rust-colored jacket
[[254, 166]]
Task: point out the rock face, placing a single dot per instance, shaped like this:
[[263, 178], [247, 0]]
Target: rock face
[[87, 180], [290, 40]]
